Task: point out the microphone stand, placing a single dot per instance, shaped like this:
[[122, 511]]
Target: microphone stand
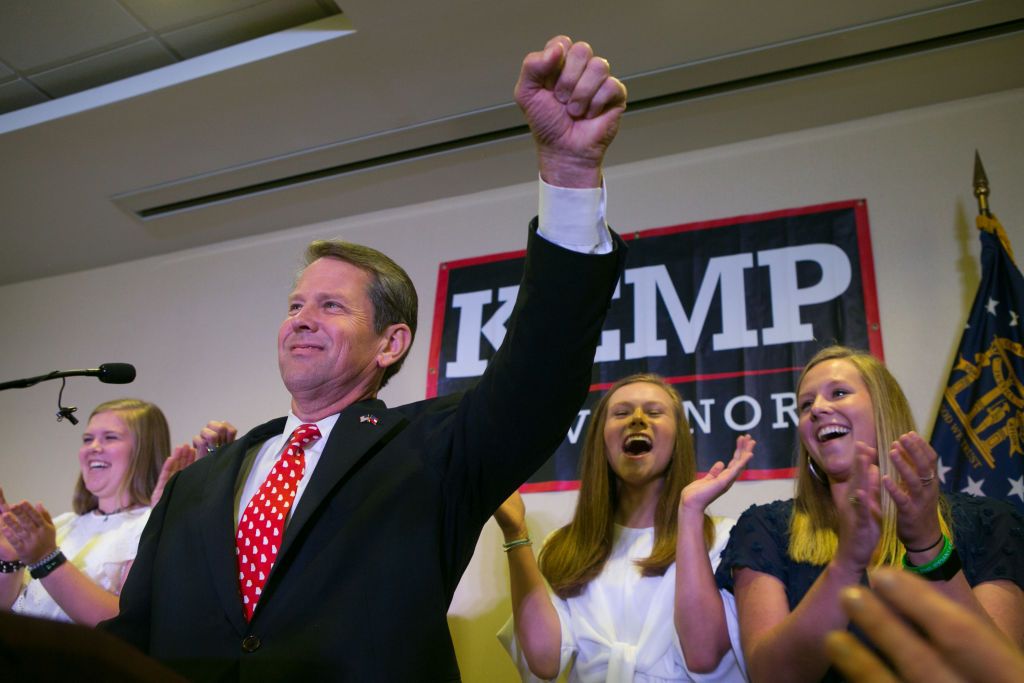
[[101, 373], [63, 412], [30, 381]]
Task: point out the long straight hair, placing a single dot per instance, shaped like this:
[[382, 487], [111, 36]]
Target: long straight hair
[[576, 553], [148, 427], [814, 526]]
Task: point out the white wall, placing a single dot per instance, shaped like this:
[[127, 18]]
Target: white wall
[[200, 325]]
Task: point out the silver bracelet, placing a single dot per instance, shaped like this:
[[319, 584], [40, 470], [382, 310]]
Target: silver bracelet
[[516, 543]]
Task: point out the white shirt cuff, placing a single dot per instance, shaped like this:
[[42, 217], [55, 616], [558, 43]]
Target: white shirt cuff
[[574, 218]]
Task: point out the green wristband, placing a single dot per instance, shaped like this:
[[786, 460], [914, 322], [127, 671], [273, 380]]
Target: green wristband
[[937, 561], [943, 567]]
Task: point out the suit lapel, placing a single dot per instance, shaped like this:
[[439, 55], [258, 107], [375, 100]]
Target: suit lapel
[[357, 433], [218, 518]]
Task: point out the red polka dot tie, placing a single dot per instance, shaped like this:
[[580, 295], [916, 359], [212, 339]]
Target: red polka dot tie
[[262, 524]]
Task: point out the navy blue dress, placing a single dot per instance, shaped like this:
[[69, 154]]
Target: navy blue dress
[[989, 536]]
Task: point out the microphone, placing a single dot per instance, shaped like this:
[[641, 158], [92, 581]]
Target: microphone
[[109, 373], [113, 373]]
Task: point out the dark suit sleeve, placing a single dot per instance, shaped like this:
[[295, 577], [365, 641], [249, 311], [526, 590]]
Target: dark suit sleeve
[[526, 400], [132, 622]]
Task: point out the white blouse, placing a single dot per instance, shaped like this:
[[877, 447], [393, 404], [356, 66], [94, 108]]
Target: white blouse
[[621, 627], [101, 546]]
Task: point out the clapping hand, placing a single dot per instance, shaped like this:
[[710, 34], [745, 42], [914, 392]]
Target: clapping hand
[[916, 496], [28, 530], [860, 512], [700, 493], [211, 437], [7, 551]]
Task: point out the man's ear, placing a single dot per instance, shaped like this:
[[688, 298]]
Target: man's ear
[[395, 342]]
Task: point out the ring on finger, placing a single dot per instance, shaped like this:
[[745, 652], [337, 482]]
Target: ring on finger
[[854, 500], [928, 479]]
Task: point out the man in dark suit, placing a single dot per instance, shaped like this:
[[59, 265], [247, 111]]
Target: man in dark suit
[[389, 501]]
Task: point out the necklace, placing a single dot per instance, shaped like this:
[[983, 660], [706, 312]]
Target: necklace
[[106, 515]]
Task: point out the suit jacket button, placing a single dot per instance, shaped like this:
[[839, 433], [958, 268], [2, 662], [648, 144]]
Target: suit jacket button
[[251, 644]]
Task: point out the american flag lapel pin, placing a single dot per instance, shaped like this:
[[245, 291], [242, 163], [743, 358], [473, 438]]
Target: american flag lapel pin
[[369, 417]]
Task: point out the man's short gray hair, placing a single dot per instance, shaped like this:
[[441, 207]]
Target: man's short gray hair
[[391, 291]]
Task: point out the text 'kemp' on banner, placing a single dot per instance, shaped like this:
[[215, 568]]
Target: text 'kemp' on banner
[[727, 310]]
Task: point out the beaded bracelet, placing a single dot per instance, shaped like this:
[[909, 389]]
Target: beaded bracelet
[[516, 543], [42, 568], [9, 567]]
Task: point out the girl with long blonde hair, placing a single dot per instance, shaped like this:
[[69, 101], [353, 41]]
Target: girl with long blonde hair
[[626, 590], [866, 496]]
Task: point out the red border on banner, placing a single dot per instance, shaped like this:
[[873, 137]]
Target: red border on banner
[[749, 218], [433, 360], [434, 357], [683, 379], [747, 475], [550, 486], [867, 278]]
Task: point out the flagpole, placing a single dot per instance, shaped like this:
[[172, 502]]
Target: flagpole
[[977, 429], [981, 190]]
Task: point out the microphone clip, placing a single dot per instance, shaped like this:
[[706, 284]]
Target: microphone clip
[[66, 413]]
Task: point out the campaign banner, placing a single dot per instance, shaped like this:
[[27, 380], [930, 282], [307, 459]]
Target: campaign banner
[[727, 310]]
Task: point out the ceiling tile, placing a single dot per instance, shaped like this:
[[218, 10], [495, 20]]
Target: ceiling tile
[[242, 26], [238, 27], [70, 28], [18, 94], [107, 67], [161, 15]]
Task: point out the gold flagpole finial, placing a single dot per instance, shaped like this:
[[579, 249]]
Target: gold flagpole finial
[[985, 220], [981, 186]]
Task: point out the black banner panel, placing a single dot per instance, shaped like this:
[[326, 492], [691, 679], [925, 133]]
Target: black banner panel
[[728, 311]]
